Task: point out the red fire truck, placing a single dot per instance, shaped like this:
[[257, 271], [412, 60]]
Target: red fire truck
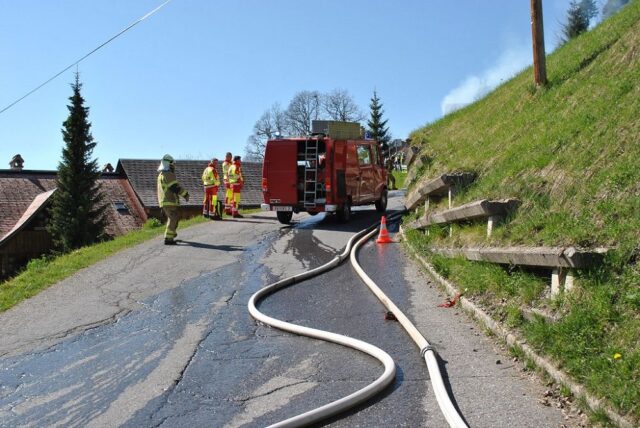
[[323, 172]]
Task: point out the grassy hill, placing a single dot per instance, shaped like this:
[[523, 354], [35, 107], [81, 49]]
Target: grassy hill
[[571, 153]]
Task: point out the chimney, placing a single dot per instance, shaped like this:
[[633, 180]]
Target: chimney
[[16, 163]]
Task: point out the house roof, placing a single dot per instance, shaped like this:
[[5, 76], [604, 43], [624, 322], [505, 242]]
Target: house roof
[[18, 189], [130, 215], [22, 191], [143, 173], [34, 208]]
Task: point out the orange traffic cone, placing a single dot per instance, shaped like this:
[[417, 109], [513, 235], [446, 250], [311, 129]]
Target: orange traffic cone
[[383, 237]]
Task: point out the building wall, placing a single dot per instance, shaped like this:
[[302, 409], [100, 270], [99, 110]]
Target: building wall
[[26, 245]]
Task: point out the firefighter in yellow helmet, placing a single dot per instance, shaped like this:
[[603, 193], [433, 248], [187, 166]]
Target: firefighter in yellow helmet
[[211, 183], [228, 195], [235, 182], [169, 192]]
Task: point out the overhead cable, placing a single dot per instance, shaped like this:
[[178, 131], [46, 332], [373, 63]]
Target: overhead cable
[[84, 57]]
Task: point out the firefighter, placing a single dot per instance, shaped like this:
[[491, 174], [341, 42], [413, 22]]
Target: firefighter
[[169, 192], [391, 180], [211, 183], [235, 182], [228, 195]]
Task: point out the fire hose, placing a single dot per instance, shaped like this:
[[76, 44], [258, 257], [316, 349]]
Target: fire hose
[[338, 406]]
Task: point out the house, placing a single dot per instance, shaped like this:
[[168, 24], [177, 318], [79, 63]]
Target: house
[[25, 196], [143, 173]]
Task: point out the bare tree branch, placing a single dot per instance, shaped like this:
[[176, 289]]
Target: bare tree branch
[[296, 119], [254, 149], [272, 123], [339, 105], [303, 108]]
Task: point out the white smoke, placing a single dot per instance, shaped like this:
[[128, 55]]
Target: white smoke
[[612, 6], [477, 86]]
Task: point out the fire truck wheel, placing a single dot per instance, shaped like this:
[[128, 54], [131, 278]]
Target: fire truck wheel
[[344, 213], [284, 217], [381, 204]]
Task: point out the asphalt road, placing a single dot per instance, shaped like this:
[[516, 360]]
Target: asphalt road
[[161, 336]]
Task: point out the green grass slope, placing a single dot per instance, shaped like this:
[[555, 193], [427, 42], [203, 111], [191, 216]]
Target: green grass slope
[[571, 153]]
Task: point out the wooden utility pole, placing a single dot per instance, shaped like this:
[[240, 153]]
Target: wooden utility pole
[[537, 36]]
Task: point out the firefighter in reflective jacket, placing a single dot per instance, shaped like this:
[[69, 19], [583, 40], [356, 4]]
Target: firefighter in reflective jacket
[[228, 195], [211, 184], [169, 192], [235, 182]]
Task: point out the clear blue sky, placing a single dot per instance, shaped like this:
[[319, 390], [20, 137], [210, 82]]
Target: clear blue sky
[[192, 79]]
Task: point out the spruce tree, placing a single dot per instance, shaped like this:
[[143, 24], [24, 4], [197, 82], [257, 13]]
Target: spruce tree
[[377, 127], [578, 17], [78, 210]]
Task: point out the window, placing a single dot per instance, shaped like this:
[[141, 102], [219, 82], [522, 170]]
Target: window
[[121, 206], [364, 155]]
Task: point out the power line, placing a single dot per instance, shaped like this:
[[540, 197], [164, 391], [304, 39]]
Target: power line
[[84, 57]]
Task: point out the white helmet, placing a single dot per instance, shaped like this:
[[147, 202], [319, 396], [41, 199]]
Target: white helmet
[[165, 162]]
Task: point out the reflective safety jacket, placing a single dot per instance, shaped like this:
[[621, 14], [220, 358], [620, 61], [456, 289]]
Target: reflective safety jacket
[[210, 177], [169, 189], [225, 170], [235, 174]]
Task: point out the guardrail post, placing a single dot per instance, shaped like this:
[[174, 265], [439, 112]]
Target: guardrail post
[[426, 211], [568, 282], [492, 221], [450, 206], [557, 280]]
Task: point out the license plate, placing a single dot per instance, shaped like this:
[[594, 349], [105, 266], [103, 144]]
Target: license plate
[[283, 208]]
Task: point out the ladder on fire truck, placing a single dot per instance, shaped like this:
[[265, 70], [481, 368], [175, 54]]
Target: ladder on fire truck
[[310, 172]]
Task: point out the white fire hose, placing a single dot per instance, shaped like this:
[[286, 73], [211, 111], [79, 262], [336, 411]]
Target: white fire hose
[[354, 399], [426, 350]]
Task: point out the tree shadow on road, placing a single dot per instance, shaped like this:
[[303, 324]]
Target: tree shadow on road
[[243, 220], [210, 246], [263, 217]]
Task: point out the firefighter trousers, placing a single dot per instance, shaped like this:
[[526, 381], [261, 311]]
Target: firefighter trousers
[[173, 217], [210, 201], [235, 197], [228, 199], [391, 181]]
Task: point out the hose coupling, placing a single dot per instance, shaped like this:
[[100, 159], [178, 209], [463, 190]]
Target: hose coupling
[[427, 349]]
